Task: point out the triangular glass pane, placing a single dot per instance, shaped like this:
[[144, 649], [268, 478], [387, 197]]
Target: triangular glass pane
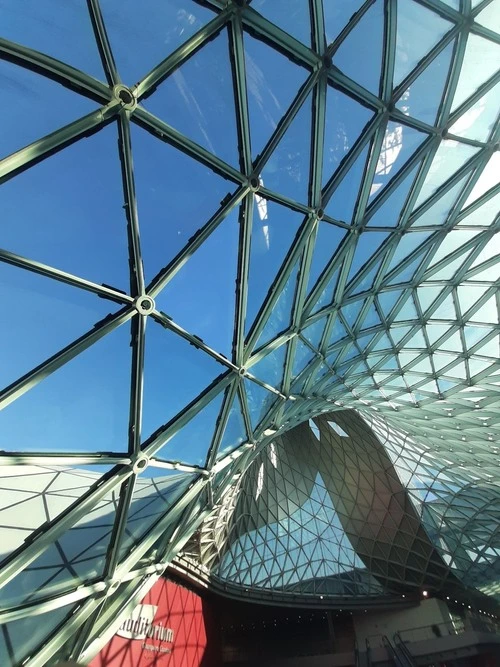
[[192, 443], [423, 96], [437, 214], [327, 295], [170, 216], [418, 30], [338, 332], [342, 203], [406, 311], [489, 16], [303, 355], [454, 240], [81, 407], [314, 332], [485, 214], [469, 295], [71, 221], [487, 313], [427, 294], [487, 180], [274, 229], [68, 36], [287, 170], [270, 368], [175, 373], [453, 343], [235, 431], [280, 316], [344, 121], [407, 244], [449, 270], [155, 27], [435, 331], [478, 121], [398, 333], [201, 295], [449, 158], [490, 249], [400, 142], [479, 64], [337, 15], [31, 336], [23, 91], [360, 54], [387, 300], [368, 244], [351, 311], [292, 16], [407, 273], [259, 401], [198, 100], [328, 241], [273, 81], [388, 214], [371, 318]]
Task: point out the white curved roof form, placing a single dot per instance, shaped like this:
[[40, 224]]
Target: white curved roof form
[[221, 219]]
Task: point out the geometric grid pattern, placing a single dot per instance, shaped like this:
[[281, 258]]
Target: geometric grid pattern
[[323, 511], [223, 218]]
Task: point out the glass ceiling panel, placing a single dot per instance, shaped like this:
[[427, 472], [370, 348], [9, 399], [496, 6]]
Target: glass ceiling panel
[[22, 91], [360, 54], [175, 373], [77, 556], [197, 100], [419, 30], [479, 64], [272, 83], [155, 491], [274, 228], [423, 96], [32, 337], [75, 194], [67, 36], [235, 432], [342, 204], [192, 442], [170, 216], [344, 122], [337, 15], [290, 15], [287, 171], [156, 28], [201, 295], [81, 407]]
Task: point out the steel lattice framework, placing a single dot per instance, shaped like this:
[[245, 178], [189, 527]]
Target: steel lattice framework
[[305, 221]]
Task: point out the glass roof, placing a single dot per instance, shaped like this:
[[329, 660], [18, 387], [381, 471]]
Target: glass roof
[[221, 219]]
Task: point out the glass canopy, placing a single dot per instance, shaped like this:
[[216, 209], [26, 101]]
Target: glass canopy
[[222, 219]]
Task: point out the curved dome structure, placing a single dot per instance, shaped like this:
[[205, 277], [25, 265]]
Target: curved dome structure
[[224, 221]]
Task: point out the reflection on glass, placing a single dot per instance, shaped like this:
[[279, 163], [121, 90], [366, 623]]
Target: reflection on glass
[[272, 84], [155, 28], [197, 99]]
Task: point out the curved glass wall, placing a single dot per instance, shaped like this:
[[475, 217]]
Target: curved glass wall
[[219, 220]]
